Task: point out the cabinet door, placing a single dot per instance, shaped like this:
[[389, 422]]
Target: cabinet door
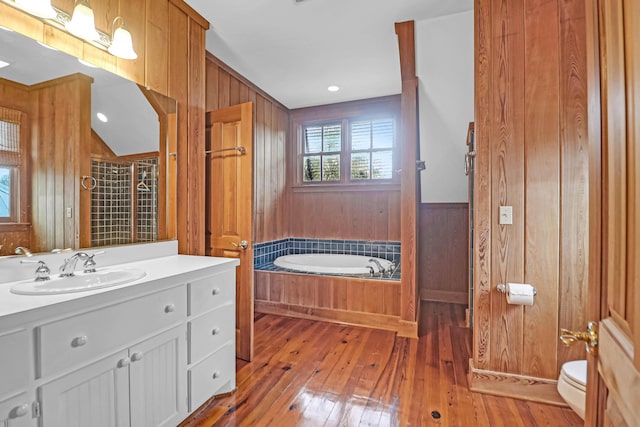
[[16, 412], [158, 379], [94, 396]]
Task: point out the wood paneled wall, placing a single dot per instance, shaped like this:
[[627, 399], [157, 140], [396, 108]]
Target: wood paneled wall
[[169, 39], [443, 240], [225, 87], [532, 154], [357, 212], [60, 152], [365, 302], [18, 97]]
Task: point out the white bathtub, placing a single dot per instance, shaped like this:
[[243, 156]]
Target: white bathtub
[[331, 263]]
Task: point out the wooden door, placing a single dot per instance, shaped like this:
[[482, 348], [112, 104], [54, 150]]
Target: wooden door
[[230, 207], [613, 51]]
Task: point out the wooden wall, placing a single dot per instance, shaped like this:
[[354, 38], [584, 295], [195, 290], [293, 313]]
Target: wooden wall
[[168, 37], [357, 212], [364, 302], [225, 87], [443, 239], [16, 96], [60, 152], [532, 154]]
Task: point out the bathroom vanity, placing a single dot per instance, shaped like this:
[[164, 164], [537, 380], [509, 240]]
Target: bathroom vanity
[[145, 353]]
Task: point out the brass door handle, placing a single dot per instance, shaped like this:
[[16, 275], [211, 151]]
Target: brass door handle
[[243, 244], [590, 337]]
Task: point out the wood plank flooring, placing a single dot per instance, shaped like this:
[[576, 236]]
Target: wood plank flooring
[[308, 373]]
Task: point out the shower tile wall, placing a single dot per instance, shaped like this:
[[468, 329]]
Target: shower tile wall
[[147, 194], [110, 204], [265, 253]]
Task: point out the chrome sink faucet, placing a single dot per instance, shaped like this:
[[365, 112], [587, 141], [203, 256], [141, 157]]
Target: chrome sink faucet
[[67, 269]]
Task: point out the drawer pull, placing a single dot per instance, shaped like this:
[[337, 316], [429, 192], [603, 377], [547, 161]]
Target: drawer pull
[[136, 356], [170, 308], [215, 291], [215, 375], [215, 331], [123, 362], [79, 341], [20, 411]]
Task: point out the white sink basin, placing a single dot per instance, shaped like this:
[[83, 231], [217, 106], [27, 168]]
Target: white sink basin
[[79, 283]]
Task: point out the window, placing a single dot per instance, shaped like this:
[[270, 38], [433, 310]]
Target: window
[[350, 151], [11, 159]]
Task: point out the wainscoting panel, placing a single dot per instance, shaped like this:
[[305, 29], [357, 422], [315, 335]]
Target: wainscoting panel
[[443, 244], [364, 302]]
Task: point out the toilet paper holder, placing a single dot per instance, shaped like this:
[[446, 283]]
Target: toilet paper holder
[[503, 288]]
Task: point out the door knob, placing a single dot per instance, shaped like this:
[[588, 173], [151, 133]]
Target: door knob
[[243, 244], [590, 337]]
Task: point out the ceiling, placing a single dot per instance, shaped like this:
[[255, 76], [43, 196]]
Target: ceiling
[[294, 50], [133, 124]]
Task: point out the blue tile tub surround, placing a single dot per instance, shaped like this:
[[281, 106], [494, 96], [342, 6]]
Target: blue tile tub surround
[[265, 253]]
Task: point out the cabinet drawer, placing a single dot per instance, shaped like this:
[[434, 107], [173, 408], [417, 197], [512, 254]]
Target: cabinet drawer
[[72, 341], [214, 375], [210, 331], [16, 357], [212, 291], [16, 412]]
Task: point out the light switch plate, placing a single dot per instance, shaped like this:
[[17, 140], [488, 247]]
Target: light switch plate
[[506, 215], [69, 213]]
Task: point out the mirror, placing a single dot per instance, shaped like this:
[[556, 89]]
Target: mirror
[[97, 160]]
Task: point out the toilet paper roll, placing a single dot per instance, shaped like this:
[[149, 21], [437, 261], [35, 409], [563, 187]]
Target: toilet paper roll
[[520, 293]]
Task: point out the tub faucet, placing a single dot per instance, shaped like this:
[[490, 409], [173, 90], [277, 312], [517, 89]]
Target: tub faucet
[[21, 250], [69, 266], [381, 269]]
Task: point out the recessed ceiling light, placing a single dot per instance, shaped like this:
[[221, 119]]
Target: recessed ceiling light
[[333, 88], [102, 117], [46, 45], [87, 64], [4, 64]]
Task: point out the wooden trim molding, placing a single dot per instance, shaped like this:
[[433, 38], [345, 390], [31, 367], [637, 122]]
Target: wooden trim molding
[[367, 320], [515, 386], [409, 176], [193, 14]]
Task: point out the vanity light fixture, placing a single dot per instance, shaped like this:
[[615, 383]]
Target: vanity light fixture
[[102, 117], [121, 42], [83, 22], [39, 8], [333, 88]]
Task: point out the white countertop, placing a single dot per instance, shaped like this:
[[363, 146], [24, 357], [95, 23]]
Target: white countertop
[[156, 269]]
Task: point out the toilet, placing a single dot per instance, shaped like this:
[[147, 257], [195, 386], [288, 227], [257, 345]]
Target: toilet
[[572, 385]]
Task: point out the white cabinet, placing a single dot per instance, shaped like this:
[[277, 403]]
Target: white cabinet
[[144, 384], [142, 356], [16, 411], [15, 370], [212, 337], [96, 395]]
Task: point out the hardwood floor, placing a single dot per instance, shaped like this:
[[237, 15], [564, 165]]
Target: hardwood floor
[[308, 373]]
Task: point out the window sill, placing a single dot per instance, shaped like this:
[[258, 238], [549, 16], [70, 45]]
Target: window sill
[[14, 226], [323, 188]]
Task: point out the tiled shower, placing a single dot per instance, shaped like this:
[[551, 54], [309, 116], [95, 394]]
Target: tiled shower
[[124, 201]]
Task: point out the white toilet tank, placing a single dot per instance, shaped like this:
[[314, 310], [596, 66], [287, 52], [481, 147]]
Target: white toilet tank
[[572, 385]]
